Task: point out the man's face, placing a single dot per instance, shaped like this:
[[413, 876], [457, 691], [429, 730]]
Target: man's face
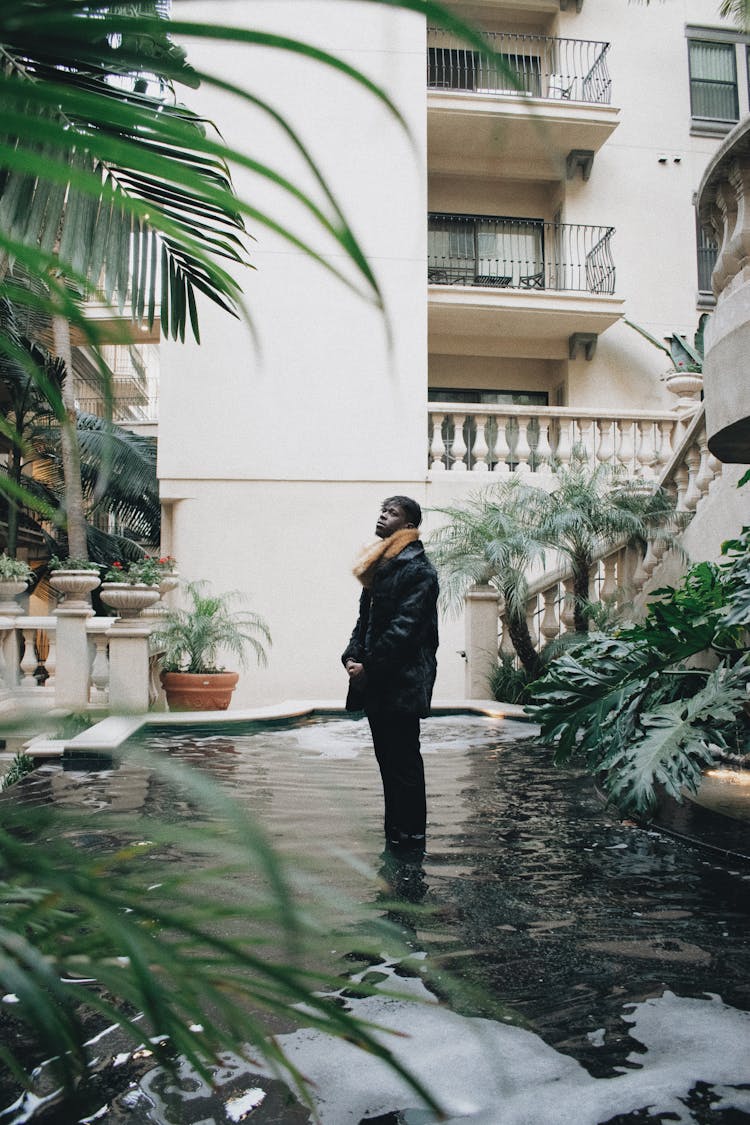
[[392, 518]]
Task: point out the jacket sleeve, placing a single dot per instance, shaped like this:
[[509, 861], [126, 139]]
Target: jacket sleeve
[[417, 599], [355, 649]]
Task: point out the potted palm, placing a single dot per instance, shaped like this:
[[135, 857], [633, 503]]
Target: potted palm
[[189, 639]]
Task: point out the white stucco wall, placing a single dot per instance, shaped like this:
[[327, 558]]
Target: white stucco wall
[[275, 458]]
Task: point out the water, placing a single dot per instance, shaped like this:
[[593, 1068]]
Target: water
[[578, 960]]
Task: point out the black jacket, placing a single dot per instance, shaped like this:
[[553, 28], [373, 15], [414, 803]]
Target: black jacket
[[396, 637]]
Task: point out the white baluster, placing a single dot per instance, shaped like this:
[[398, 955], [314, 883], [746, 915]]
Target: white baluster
[[567, 615], [458, 446], [606, 449], [522, 452], [716, 467], [681, 484], [502, 448], [664, 455], [51, 662], [481, 449], [705, 474], [543, 449], [585, 441], [639, 574], [28, 660], [564, 441], [550, 625], [437, 445], [626, 448], [649, 559], [646, 454], [609, 585], [693, 495], [99, 692]]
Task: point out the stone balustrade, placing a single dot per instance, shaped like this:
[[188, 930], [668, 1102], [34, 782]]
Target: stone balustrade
[[464, 437], [619, 574], [30, 660]]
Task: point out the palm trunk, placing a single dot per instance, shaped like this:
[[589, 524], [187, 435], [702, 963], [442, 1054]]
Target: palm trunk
[[70, 451], [14, 472], [522, 643], [581, 572]]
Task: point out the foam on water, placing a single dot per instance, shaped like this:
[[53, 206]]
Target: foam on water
[[490, 1073]]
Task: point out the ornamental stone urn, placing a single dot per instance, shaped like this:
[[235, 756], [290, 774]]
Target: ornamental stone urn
[[74, 586], [9, 589], [687, 386], [129, 598]]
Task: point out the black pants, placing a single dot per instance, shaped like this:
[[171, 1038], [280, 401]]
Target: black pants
[[396, 741]]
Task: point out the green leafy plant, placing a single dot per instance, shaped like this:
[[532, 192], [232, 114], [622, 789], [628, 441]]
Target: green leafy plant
[[18, 768], [493, 538], [654, 704], [56, 563], [508, 682], [14, 569], [191, 637], [145, 571]]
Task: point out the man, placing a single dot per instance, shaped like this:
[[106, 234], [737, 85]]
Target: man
[[391, 663]]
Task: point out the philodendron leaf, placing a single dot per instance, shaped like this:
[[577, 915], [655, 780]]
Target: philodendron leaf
[[677, 740]]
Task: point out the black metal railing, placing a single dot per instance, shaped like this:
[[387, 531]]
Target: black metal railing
[[558, 69], [510, 253]]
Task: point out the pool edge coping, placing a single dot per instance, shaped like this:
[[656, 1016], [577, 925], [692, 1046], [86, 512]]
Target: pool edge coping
[[110, 733]]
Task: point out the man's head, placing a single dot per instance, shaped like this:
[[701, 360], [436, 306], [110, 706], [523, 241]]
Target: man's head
[[396, 513]]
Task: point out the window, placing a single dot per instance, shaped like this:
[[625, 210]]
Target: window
[[454, 68], [713, 80], [488, 398], [473, 250]]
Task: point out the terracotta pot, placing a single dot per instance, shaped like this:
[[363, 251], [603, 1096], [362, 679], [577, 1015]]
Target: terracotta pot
[[199, 691]]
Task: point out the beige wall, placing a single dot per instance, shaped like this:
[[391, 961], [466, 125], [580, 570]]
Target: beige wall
[[277, 456]]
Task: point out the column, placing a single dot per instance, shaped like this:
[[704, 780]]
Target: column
[[481, 617]]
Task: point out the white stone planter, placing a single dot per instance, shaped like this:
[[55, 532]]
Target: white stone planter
[[129, 599], [9, 589], [687, 386], [74, 585], [168, 582]]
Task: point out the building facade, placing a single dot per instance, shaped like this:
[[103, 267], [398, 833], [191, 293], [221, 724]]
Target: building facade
[[534, 204]]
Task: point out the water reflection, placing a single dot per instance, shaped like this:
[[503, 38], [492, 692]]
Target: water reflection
[[547, 910]]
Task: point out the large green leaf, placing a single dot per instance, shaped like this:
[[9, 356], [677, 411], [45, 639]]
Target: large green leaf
[[676, 740]]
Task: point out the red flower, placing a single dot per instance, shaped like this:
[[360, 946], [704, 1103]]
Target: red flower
[[117, 565]]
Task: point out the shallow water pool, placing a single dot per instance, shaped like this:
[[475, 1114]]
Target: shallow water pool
[[604, 967]]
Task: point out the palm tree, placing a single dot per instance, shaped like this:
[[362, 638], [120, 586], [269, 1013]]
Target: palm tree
[[109, 184], [117, 467], [493, 539], [592, 510]]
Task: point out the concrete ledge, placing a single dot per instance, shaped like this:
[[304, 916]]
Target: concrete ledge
[[110, 733]]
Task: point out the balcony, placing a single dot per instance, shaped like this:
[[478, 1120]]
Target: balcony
[[539, 108], [523, 284]]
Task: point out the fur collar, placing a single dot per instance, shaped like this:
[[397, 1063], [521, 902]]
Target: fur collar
[[372, 556]]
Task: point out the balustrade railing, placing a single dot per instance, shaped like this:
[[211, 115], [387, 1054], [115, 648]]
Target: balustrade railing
[[523, 439], [535, 65], [29, 659], [512, 253], [619, 574]]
